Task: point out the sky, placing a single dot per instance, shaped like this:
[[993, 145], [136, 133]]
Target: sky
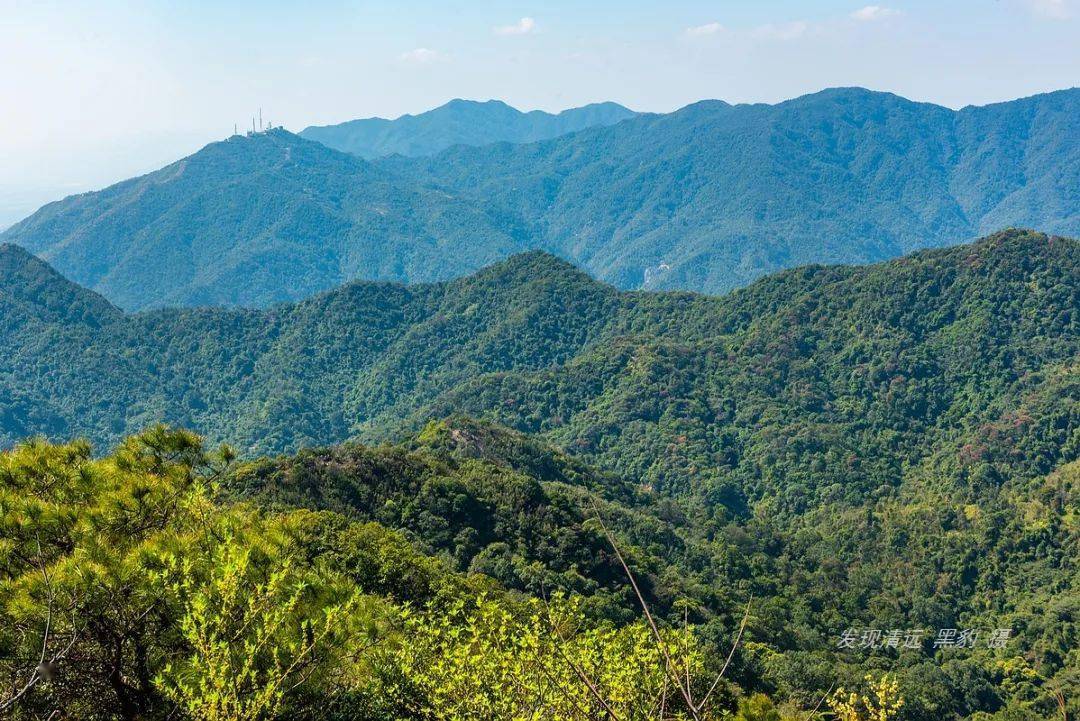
[[94, 92]]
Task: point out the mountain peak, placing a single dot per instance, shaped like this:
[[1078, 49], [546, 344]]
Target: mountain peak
[[255, 146], [1021, 245], [460, 122], [9, 253], [260, 219], [466, 103], [533, 264], [855, 96]]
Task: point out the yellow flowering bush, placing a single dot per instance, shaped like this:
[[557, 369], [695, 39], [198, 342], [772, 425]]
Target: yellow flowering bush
[[882, 702]]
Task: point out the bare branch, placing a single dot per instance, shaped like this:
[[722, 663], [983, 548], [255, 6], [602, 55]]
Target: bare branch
[[43, 660], [1059, 698], [670, 665], [821, 700], [593, 688], [49, 611], [731, 653]]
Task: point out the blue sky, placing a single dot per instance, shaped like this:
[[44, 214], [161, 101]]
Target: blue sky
[[97, 91]]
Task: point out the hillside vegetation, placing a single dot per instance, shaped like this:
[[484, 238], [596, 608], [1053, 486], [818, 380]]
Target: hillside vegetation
[[129, 590], [897, 354], [467, 573], [257, 220], [884, 447]]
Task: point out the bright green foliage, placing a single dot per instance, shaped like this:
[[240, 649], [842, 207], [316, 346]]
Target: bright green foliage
[[484, 660], [151, 601], [84, 543], [881, 701], [147, 594], [253, 633], [757, 707]]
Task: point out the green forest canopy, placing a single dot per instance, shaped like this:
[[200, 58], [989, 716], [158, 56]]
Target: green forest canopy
[[885, 447], [152, 589]]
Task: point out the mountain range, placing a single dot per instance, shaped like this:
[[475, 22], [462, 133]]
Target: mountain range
[[258, 220], [460, 122], [886, 446], [707, 198], [715, 195], [483, 447], [651, 384]]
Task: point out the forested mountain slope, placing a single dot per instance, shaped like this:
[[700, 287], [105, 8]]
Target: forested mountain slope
[[479, 532], [892, 446], [260, 219], [712, 196], [917, 555], [180, 603], [879, 361], [501, 503], [459, 122], [707, 198]]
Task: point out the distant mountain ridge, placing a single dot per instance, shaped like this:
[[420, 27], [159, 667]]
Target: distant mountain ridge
[[460, 122], [707, 198], [714, 195], [260, 219]]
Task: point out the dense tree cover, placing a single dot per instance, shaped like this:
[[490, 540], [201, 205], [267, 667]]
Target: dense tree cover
[[488, 500], [713, 195], [288, 377], [459, 122], [926, 558], [147, 598], [260, 219], [707, 198], [128, 592], [885, 447], [781, 381]]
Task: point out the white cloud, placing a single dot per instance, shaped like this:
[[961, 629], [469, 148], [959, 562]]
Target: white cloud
[[524, 26], [783, 31], [1052, 9], [706, 29], [873, 12], [421, 56]]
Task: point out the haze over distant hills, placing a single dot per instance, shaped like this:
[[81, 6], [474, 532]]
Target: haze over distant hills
[[258, 220], [706, 198], [714, 195], [460, 122]]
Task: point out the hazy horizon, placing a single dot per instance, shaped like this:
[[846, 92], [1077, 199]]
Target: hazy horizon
[[98, 94]]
